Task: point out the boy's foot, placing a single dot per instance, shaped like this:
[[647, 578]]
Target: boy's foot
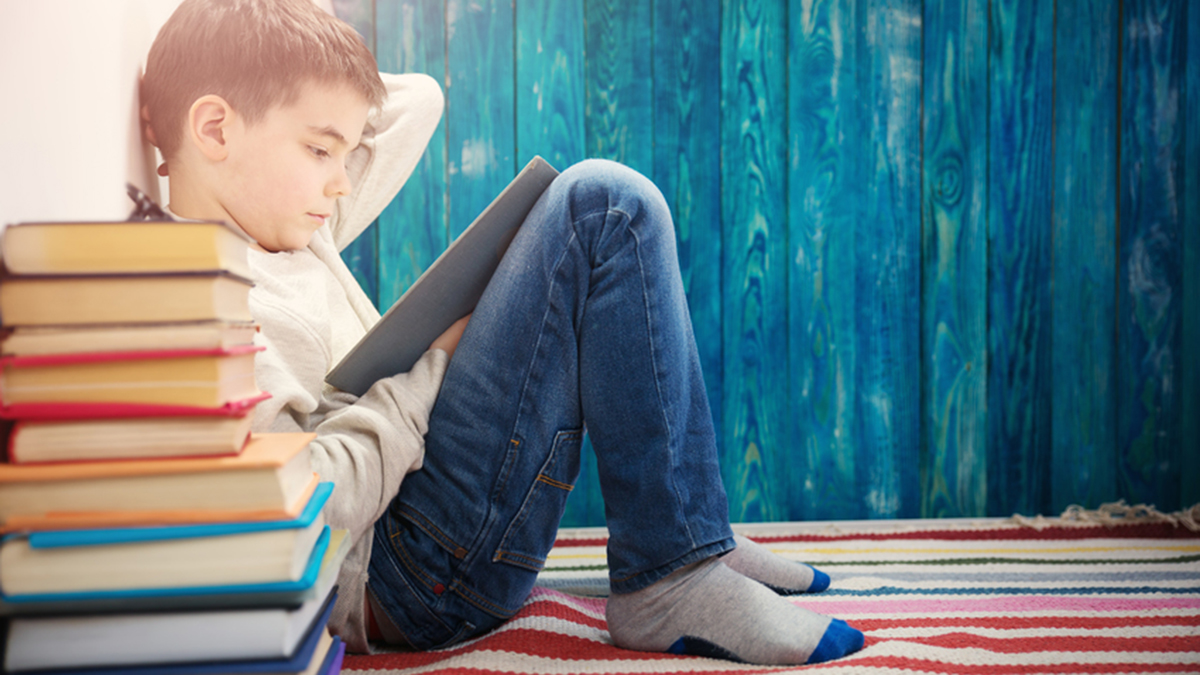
[[707, 609], [781, 575]]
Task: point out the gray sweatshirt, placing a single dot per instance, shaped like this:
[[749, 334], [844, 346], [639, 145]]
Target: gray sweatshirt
[[312, 311]]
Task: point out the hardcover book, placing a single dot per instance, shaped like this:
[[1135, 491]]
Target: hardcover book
[[124, 299], [199, 377], [124, 247], [307, 659], [321, 573], [270, 479], [447, 291], [73, 440], [99, 640], [39, 340], [162, 557]]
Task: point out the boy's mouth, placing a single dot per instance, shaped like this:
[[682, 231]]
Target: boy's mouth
[[319, 218]]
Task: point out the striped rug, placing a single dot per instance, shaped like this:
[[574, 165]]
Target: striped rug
[[932, 596]]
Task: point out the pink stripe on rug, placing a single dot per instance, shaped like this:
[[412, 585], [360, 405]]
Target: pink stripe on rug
[[1016, 603]]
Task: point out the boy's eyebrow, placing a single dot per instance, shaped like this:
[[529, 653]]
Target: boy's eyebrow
[[329, 131]]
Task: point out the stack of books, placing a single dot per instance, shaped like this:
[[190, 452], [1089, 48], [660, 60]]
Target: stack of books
[[145, 529]]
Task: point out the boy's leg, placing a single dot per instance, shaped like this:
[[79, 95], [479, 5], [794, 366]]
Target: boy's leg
[[585, 319]]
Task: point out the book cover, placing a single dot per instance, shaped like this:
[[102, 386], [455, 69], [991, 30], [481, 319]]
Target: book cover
[[286, 596], [306, 579], [447, 291], [117, 438], [162, 556], [307, 658], [33, 340], [99, 640], [124, 299], [196, 377], [78, 411], [265, 481], [107, 247]]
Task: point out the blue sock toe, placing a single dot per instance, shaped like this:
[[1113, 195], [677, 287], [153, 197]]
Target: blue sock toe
[[820, 581], [839, 640]]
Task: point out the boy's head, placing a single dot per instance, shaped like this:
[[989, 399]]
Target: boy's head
[[255, 105], [255, 54]]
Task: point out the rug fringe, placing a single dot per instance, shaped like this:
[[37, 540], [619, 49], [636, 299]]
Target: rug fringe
[[1112, 514]]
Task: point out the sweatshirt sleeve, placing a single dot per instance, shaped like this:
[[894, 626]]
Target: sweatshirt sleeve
[[365, 445], [392, 144]]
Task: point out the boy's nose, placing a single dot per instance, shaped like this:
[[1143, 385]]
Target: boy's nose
[[339, 184]]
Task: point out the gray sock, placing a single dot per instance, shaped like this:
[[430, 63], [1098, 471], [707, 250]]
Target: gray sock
[[707, 609], [781, 575]]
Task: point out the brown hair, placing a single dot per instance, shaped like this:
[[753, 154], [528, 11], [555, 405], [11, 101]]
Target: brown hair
[[253, 53]]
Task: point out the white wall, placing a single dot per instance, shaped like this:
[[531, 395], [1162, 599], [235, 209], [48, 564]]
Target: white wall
[[69, 135]]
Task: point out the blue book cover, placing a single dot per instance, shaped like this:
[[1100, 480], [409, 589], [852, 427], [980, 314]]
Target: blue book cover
[[122, 535], [294, 664], [306, 580]]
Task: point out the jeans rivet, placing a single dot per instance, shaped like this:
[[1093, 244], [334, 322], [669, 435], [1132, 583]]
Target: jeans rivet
[[460, 553], [438, 589]]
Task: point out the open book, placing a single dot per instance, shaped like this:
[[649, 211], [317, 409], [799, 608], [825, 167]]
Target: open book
[[447, 291]]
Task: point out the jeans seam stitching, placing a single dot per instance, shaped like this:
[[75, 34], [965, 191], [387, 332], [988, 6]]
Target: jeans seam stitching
[[475, 598], [429, 528]]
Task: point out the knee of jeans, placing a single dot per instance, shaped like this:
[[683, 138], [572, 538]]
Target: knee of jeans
[[596, 185]]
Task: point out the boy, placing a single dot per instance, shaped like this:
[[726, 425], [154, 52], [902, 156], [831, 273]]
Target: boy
[[451, 477]]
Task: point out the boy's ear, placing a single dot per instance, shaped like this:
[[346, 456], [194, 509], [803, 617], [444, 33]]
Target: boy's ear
[[208, 123]]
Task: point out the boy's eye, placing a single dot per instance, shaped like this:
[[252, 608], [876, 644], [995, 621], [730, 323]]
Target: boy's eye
[[319, 153]]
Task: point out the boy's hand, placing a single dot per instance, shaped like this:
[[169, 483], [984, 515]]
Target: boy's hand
[[448, 341]]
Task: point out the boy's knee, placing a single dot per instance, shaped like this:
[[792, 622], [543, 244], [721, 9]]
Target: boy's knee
[[600, 183]]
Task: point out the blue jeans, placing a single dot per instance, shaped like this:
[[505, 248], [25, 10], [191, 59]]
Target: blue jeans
[[584, 321]]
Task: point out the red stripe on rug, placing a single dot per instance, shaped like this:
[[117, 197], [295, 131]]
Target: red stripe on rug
[[1061, 643], [1022, 622], [924, 666]]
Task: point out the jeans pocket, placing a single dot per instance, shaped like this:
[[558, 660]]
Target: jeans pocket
[[532, 531]]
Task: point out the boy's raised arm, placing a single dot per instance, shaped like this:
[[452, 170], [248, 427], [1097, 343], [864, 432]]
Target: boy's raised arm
[[392, 144]]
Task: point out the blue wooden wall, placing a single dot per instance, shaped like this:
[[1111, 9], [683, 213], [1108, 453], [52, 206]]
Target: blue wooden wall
[[942, 257]]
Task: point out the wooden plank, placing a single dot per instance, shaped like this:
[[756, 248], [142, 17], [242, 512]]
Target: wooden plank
[[549, 103], [756, 444], [410, 37], [479, 106], [1085, 234], [954, 260], [687, 168], [619, 92], [887, 260], [618, 125], [1149, 261], [1190, 465], [825, 186], [1019, 218], [550, 85], [360, 254]]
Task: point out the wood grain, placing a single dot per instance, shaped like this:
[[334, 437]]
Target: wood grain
[[1019, 218], [550, 86], [480, 106], [824, 174], [1084, 450], [619, 77], [1149, 306], [887, 259], [359, 256], [756, 447], [413, 231], [954, 260], [1190, 430], [687, 148]]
